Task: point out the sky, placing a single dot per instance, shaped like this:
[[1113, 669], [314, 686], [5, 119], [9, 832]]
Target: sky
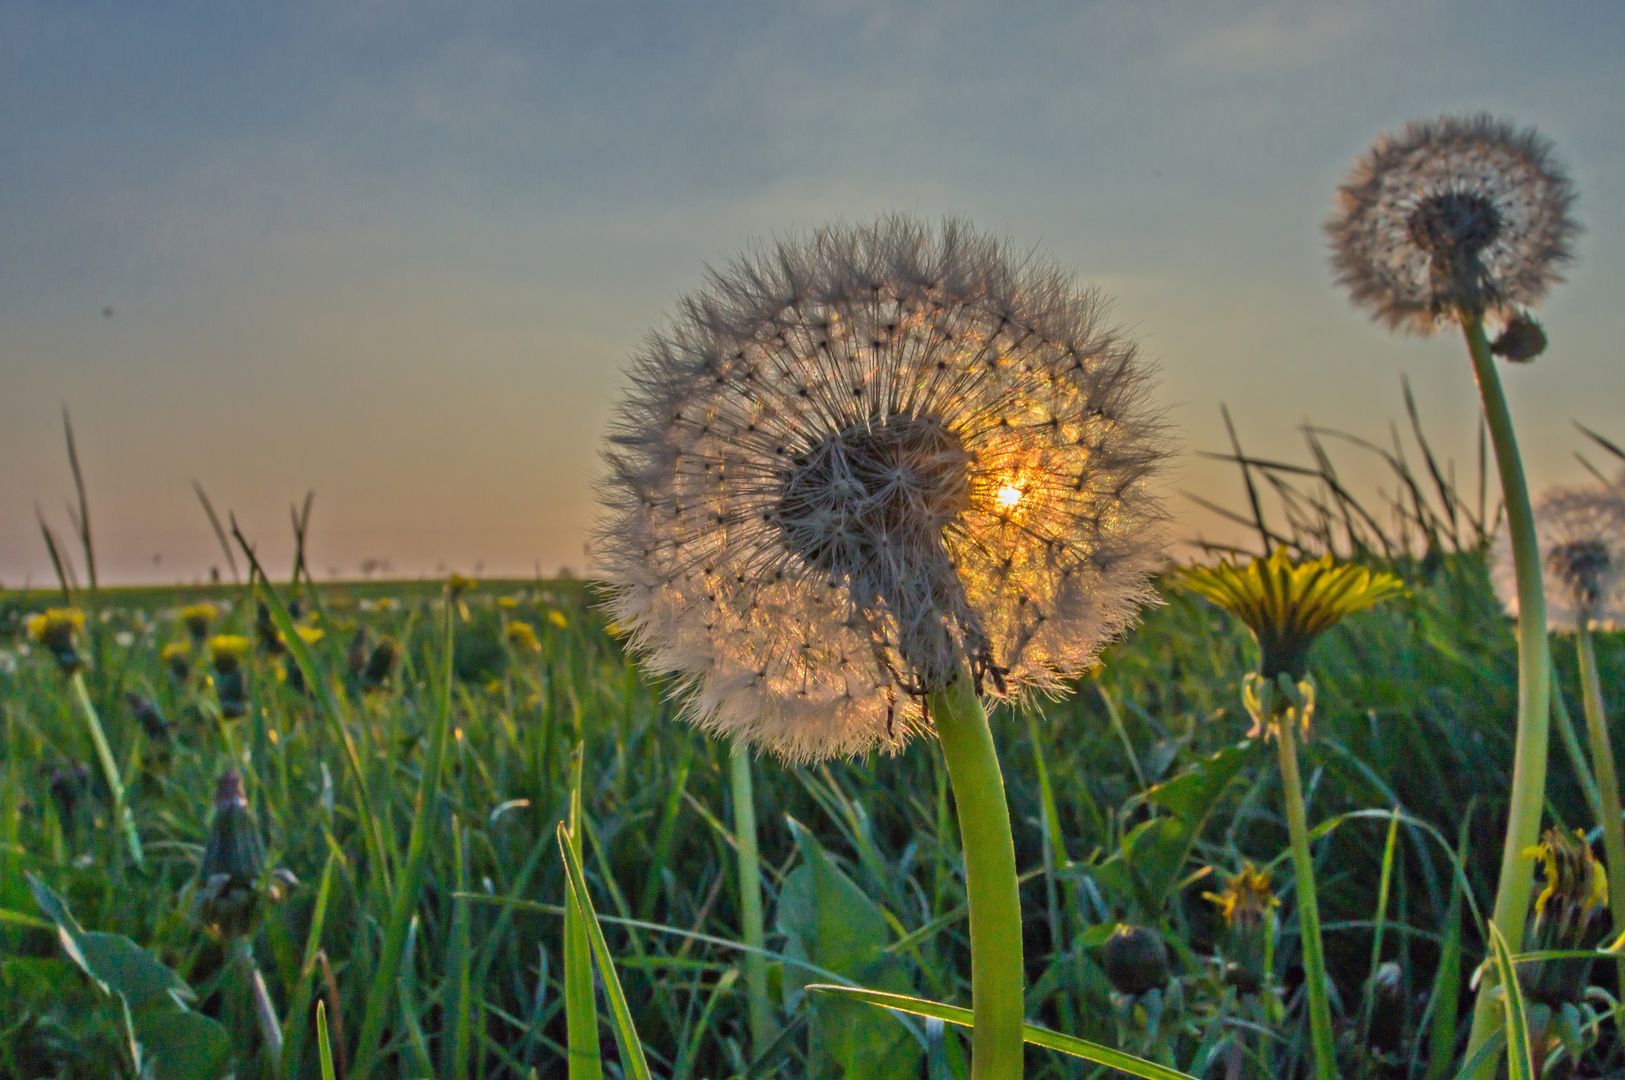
[[397, 252]]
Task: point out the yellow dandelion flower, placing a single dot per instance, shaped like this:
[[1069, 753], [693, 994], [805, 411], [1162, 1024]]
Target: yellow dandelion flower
[[227, 650], [507, 603], [1287, 605], [557, 619], [56, 625], [522, 636], [1246, 896], [198, 618]]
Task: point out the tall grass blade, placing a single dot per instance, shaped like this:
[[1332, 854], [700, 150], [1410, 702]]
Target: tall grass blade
[[409, 882], [580, 1000], [626, 1036], [219, 533], [294, 1025], [1520, 1058], [322, 1048]]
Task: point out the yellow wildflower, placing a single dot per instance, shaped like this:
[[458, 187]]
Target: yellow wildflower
[[523, 637]]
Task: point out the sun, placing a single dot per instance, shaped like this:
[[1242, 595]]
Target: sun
[[1009, 495]]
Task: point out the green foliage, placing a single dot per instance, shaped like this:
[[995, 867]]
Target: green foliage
[[1413, 711]]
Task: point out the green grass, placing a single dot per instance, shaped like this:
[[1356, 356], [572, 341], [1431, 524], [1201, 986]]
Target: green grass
[[1415, 704]]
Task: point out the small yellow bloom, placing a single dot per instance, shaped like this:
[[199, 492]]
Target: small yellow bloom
[[1247, 895], [198, 618], [507, 603], [174, 650], [310, 635], [1573, 873], [522, 636], [56, 625], [557, 619], [227, 650]]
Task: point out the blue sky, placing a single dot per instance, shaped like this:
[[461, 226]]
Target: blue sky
[[397, 251]]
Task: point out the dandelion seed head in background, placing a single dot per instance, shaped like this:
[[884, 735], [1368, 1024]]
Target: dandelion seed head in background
[[1458, 214], [1580, 533], [856, 462]]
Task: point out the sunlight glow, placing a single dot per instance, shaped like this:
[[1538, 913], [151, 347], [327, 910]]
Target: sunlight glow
[[1008, 496]]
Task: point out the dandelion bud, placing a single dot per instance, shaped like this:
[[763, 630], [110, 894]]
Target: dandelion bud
[[69, 783], [355, 656], [228, 899], [147, 715], [381, 662], [1135, 959], [57, 630], [1522, 340], [265, 631], [1570, 913]]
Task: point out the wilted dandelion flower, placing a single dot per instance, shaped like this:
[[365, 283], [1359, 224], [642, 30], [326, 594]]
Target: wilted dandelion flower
[[1462, 214], [379, 664], [1245, 902], [1571, 912], [58, 629], [1581, 536], [226, 652], [522, 636], [854, 463], [198, 619]]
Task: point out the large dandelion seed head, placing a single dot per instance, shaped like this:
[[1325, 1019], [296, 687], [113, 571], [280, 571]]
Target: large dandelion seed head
[[856, 463], [1451, 216], [1581, 536]]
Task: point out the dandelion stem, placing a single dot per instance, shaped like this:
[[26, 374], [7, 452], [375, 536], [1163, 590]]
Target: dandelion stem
[[264, 1011], [104, 754], [750, 899], [1517, 875], [1613, 831], [1314, 958], [990, 880]]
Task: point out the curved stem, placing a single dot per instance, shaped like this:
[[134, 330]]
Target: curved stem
[[1303, 865], [104, 754], [1517, 875], [750, 900], [997, 976], [1613, 830]]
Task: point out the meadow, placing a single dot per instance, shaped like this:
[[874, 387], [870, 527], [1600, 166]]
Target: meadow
[[427, 923]]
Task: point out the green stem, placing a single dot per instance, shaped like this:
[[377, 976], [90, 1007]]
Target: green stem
[[750, 900], [1314, 957], [1613, 831], [994, 896], [264, 1011], [104, 754], [1571, 746], [1517, 876]]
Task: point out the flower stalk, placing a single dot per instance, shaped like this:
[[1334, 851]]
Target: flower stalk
[[1303, 867], [991, 886], [750, 899], [1516, 880]]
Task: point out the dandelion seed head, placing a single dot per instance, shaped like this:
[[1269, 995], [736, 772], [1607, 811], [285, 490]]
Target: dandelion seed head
[[855, 462], [1580, 533], [1458, 214]]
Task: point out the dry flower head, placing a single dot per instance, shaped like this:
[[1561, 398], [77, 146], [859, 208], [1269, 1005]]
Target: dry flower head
[[855, 463]]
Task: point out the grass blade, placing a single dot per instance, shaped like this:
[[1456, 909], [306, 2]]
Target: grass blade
[[626, 1037], [322, 1048], [1520, 1058], [1031, 1033], [580, 1001]]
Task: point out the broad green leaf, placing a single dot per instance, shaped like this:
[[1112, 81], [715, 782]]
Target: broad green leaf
[[1032, 1033], [182, 1045], [1191, 795]]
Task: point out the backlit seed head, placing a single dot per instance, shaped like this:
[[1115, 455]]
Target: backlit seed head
[[855, 463], [1580, 533], [1463, 215]]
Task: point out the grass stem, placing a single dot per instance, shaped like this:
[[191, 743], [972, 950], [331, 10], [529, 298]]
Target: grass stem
[[264, 1011], [104, 754], [997, 974]]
